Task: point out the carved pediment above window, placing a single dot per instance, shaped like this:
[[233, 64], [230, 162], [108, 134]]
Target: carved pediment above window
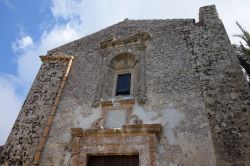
[[139, 37], [123, 61]]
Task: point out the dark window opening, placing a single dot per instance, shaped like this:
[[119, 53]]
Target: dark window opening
[[123, 84], [113, 160]]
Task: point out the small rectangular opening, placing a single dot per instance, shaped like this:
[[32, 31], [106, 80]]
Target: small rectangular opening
[[113, 160], [123, 84]]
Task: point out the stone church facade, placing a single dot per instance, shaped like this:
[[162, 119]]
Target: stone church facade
[[153, 92]]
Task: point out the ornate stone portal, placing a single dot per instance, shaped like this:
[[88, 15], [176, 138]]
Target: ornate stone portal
[[130, 140], [128, 137]]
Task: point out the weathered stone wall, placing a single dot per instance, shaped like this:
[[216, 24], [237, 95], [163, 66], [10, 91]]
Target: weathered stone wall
[[225, 91], [1, 148], [27, 130], [173, 91], [194, 88]]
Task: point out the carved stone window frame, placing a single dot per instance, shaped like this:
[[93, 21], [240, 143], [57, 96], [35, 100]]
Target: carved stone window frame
[[135, 45]]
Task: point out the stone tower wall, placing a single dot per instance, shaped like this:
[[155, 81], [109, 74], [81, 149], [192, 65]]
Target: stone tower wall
[[225, 90], [25, 135]]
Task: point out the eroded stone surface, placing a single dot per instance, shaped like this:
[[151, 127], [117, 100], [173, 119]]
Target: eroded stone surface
[[174, 95], [23, 140], [192, 85]]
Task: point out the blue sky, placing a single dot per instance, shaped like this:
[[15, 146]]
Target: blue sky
[[31, 27], [18, 17]]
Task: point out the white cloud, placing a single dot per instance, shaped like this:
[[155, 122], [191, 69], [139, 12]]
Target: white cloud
[[232, 11], [82, 17], [23, 43], [9, 104], [96, 14], [64, 8], [28, 60], [14, 88]]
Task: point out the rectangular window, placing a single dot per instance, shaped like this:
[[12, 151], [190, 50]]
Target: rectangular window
[[123, 84], [114, 160]]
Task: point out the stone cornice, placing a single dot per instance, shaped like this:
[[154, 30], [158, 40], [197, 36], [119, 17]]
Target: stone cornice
[[56, 58], [137, 129], [139, 37]]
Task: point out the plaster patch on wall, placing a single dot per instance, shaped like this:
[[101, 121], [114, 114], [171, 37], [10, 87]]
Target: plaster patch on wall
[[146, 117], [161, 149], [170, 119], [86, 121], [67, 158], [172, 164], [66, 137], [116, 118]]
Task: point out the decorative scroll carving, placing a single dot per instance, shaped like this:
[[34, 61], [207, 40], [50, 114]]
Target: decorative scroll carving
[[123, 61]]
